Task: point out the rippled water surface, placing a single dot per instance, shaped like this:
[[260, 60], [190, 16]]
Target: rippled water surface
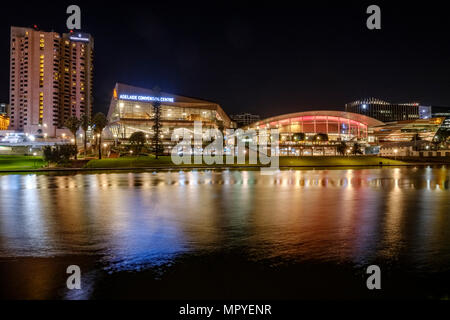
[[226, 233]]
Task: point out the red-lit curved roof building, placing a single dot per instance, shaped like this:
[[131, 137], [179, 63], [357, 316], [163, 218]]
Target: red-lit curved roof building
[[338, 125]]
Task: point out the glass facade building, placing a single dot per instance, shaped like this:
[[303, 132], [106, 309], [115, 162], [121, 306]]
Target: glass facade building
[[401, 131], [385, 111], [132, 110], [338, 127]]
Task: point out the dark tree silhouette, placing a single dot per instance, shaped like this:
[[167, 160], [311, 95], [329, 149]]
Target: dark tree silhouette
[[137, 141], [100, 122], [357, 149], [73, 124], [320, 137], [85, 122], [299, 136], [342, 148], [157, 143]]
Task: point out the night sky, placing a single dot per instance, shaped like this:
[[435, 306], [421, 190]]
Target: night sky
[[264, 57]]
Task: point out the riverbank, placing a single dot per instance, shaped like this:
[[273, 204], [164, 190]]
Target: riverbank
[[22, 164], [151, 162]]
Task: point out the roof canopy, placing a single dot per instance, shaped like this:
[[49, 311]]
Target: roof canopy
[[370, 122]]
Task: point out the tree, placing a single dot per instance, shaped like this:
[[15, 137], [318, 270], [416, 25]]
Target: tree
[[357, 149], [100, 122], [85, 122], [342, 148], [137, 141], [299, 136], [73, 124], [320, 137], [157, 143]]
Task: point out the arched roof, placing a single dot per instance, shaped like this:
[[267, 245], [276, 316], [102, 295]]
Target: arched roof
[[370, 122]]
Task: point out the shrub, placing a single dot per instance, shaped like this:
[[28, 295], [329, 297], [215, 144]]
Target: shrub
[[137, 142], [59, 154]]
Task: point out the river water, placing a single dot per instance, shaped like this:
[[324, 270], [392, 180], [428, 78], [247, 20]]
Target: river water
[[300, 234]]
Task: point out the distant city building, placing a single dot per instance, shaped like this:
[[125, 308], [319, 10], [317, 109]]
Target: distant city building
[[245, 119], [51, 77], [437, 112], [4, 108], [412, 149], [4, 122], [385, 111]]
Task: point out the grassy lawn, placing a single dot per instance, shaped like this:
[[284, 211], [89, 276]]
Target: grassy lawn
[[337, 161], [139, 162], [142, 162], [20, 163]]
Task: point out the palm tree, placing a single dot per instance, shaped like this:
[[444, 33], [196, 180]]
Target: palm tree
[[85, 122], [100, 122], [73, 124]]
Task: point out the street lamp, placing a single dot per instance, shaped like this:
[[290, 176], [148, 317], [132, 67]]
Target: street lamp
[[395, 152]]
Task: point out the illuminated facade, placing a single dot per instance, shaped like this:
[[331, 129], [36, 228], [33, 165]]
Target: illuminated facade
[[339, 126], [4, 122], [407, 130], [50, 80], [300, 133], [132, 110]]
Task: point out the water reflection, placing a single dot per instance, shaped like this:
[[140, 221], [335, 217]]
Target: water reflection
[[134, 220]]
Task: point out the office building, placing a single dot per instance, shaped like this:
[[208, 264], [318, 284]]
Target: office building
[[385, 111], [4, 108]]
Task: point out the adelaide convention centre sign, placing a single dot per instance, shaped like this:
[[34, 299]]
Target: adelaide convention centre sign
[[145, 98]]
